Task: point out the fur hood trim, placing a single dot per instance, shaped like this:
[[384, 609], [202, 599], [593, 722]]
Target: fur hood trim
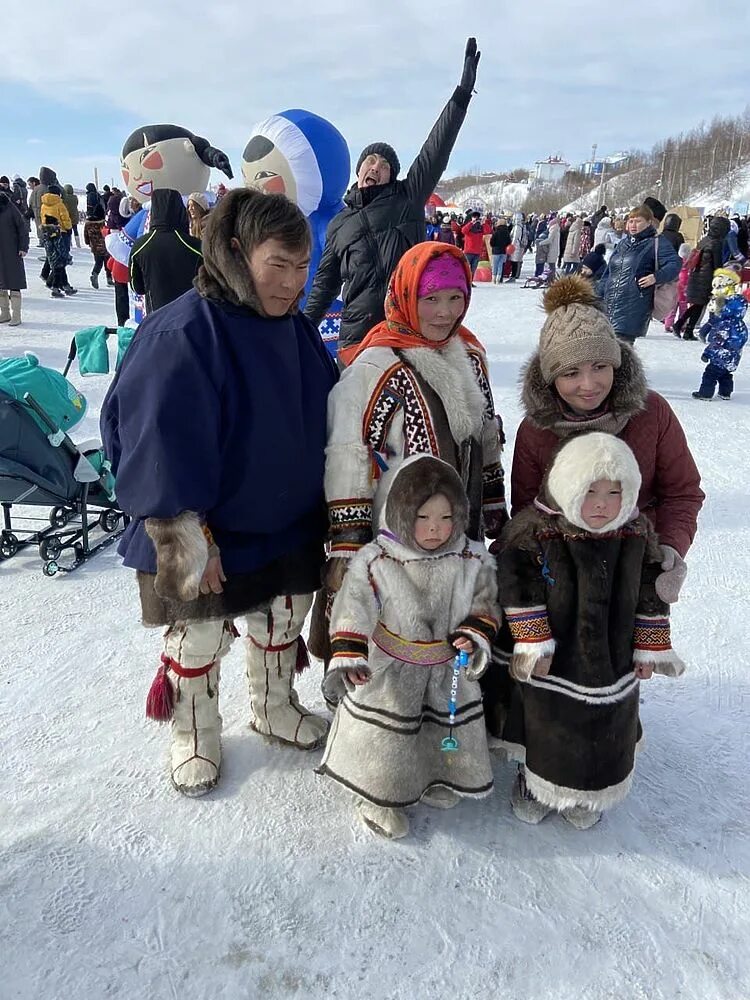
[[416, 480], [583, 460], [450, 372], [224, 275], [541, 403]]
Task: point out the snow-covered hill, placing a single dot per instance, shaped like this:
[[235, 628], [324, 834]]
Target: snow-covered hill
[[496, 196], [114, 886]]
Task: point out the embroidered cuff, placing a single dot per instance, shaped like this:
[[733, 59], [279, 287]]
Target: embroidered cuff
[[528, 625], [351, 525], [651, 634]]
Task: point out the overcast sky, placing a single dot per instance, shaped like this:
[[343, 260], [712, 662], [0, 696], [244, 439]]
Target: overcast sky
[[554, 78]]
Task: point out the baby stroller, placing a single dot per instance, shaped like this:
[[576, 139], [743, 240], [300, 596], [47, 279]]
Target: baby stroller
[[40, 466], [543, 280]]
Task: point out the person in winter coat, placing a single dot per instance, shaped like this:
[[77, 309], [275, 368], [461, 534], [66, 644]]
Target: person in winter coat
[[587, 238], [382, 219], [52, 209], [499, 243], [474, 232], [71, 203], [628, 285], [680, 305], [92, 197], [47, 176], [708, 257], [418, 384], [594, 264], [20, 196], [197, 209], [572, 255], [725, 341], [548, 246], [671, 230], [596, 218], [445, 232], [411, 599], [165, 260], [577, 576], [518, 238], [119, 276], [7, 190], [224, 392], [113, 217], [604, 233], [14, 245], [583, 378], [93, 237]]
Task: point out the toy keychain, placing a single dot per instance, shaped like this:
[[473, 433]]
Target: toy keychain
[[450, 743]]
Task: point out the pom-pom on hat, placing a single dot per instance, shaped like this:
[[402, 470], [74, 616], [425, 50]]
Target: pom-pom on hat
[[381, 149], [576, 329]]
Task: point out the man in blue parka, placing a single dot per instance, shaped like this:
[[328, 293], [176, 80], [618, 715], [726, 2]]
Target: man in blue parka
[[216, 429]]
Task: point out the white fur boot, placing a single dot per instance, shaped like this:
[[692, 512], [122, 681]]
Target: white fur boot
[[580, 817], [193, 653], [439, 797], [272, 654], [390, 823], [4, 306], [15, 309], [525, 807]]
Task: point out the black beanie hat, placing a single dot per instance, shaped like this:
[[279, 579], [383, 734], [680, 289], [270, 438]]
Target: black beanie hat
[[381, 149], [656, 207]]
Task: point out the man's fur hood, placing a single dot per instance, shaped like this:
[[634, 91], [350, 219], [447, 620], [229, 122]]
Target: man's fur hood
[[541, 403], [414, 482], [224, 276]]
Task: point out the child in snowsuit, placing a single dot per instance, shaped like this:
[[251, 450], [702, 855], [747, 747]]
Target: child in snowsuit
[[56, 250], [93, 237], [576, 576], [410, 600], [684, 251], [725, 339]]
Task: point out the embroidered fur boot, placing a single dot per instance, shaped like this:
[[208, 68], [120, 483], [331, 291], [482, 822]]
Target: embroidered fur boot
[[273, 656], [580, 817], [524, 805], [390, 823]]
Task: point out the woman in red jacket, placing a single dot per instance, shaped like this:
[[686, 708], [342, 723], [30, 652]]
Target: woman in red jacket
[[582, 378]]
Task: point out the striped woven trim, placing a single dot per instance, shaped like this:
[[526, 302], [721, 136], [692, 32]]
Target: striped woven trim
[[481, 625], [350, 547], [355, 512], [349, 645], [652, 634], [419, 652], [528, 624]]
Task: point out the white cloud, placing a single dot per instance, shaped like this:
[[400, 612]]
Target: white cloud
[[552, 77]]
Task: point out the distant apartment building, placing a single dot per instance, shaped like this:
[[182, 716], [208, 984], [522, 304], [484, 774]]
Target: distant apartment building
[[550, 171]]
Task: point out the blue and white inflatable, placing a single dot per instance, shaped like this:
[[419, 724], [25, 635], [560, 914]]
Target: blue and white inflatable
[[305, 157]]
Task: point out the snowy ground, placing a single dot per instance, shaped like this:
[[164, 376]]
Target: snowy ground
[[113, 886]]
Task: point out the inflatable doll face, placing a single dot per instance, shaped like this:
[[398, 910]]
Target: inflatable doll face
[[171, 163], [722, 286], [266, 168]]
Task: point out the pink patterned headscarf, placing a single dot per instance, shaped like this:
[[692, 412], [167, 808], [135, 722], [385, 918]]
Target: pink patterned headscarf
[[442, 272]]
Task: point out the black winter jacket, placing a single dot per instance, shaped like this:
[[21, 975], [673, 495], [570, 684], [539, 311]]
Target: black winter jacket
[[366, 240], [629, 307], [671, 230], [711, 250], [500, 239], [165, 260]]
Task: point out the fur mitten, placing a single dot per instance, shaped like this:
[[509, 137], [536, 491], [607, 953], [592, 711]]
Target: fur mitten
[[527, 657], [181, 555], [670, 580]]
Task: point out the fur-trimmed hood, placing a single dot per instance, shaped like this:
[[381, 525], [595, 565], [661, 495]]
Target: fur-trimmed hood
[[224, 276], [416, 480], [583, 460], [542, 405]]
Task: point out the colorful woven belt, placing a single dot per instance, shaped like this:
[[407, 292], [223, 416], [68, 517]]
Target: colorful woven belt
[[421, 653]]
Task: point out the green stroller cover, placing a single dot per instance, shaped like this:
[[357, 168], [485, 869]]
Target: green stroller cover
[[91, 347], [61, 401]]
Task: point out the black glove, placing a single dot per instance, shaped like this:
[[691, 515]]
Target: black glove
[[471, 61]]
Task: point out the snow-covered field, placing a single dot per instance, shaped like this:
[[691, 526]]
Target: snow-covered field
[[114, 886]]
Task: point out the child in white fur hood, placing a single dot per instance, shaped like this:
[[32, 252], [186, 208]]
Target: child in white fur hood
[[410, 600], [576, 581]]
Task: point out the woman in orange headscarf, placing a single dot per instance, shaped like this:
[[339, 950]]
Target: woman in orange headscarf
[[416, 384]]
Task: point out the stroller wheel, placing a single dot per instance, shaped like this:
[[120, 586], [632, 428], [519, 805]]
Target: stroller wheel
[[59, 517], [108, 520], [8, 544], [50, 548], [50, 568]]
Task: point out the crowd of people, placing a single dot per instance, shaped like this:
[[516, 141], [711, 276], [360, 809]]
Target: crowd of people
[[433, 642]]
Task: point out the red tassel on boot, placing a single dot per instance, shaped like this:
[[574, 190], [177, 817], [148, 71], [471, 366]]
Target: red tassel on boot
[[303, 658], [160, 700]]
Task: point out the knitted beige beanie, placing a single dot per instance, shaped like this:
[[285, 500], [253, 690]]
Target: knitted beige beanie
[[576, 330]]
